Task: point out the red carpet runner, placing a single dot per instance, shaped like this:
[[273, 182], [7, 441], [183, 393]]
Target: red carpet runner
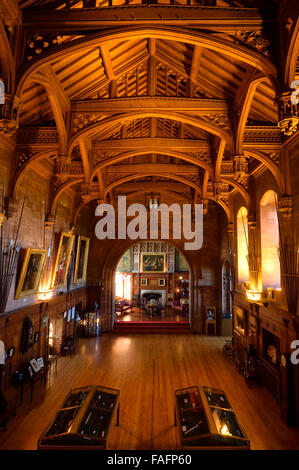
[[152, 327]]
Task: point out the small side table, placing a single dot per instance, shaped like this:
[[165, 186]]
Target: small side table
[[213, 323]]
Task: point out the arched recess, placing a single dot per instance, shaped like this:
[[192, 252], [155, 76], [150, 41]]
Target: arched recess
[[109, 122], [134, 153], [60, 190], [269, 241], [245, 112], [108, 271], [242, 246], [239, 188], [29, 165], [272, 167], [169, 33]]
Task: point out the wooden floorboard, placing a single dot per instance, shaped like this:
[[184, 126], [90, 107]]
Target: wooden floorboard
[[147, 370]]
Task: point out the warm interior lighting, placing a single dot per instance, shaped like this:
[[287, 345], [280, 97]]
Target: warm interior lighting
[[242, 245], [123, 286], [224, 430], [253, 295], [45, 294], [269, 241]]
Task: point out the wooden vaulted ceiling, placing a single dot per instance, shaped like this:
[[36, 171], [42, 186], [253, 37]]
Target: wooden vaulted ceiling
[[75, 4], [181, 70]]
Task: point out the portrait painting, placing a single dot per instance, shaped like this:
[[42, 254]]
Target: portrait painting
[[81, 259], [62, 262], [124, 265], [144, 281], [162, 282], [33, 263], [153, 262]]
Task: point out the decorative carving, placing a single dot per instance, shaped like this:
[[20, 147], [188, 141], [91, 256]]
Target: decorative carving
[[80, 121], [62, 168], [205, 203], [11, 207], [269, 134], [240, 165], [288, 114], [39, 43], [32, 135], [86, 190], [219, 120], [217, 190], [254, 40], [9, 115], [23, 157]]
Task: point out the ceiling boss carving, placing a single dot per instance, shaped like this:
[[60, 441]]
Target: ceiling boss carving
[[254, 40]]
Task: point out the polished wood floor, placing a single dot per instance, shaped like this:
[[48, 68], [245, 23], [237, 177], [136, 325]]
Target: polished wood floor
[[147, 370]]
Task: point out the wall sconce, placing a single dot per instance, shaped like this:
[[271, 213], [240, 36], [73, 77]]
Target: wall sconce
[[44, 295], [253, 295]]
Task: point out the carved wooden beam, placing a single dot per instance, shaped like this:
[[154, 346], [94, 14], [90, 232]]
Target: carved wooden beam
[[196, 106], [220, 19]]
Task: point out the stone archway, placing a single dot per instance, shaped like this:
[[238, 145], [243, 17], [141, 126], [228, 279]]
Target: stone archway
[[108, 287]]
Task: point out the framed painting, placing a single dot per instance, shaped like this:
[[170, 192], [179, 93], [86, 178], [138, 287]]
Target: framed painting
[[125, 263], [240, 320], [162, 282], [143, 281], [153, 262], [81, 259], [34, 365], [31, 272], [62, 259]]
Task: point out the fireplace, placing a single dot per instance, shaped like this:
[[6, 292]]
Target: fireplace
[[158, 295]]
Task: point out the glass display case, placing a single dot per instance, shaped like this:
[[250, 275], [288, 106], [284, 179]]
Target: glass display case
[[92, 324], [83, 421], [206, 420]]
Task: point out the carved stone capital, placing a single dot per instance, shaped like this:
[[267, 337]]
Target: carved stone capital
[[240, 165], [62, 167], [251, 222], [9, 112], [11, 208], [217, 189], [205, 203], [49, 221], [86, 190], [288, 113], [285, 206], [230, 227]]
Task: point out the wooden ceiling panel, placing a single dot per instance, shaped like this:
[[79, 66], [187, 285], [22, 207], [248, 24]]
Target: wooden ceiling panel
[[35, 108]]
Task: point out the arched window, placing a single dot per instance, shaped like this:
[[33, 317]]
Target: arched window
[[242, 245], [269, 241]]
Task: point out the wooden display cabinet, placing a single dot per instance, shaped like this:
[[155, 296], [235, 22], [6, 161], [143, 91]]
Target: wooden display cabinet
[[206, 420], [83, 421]]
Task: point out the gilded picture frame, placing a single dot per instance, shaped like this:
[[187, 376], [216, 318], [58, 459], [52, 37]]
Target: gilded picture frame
[[153, 262], [31, 272], [81, 259], [62, 261]]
